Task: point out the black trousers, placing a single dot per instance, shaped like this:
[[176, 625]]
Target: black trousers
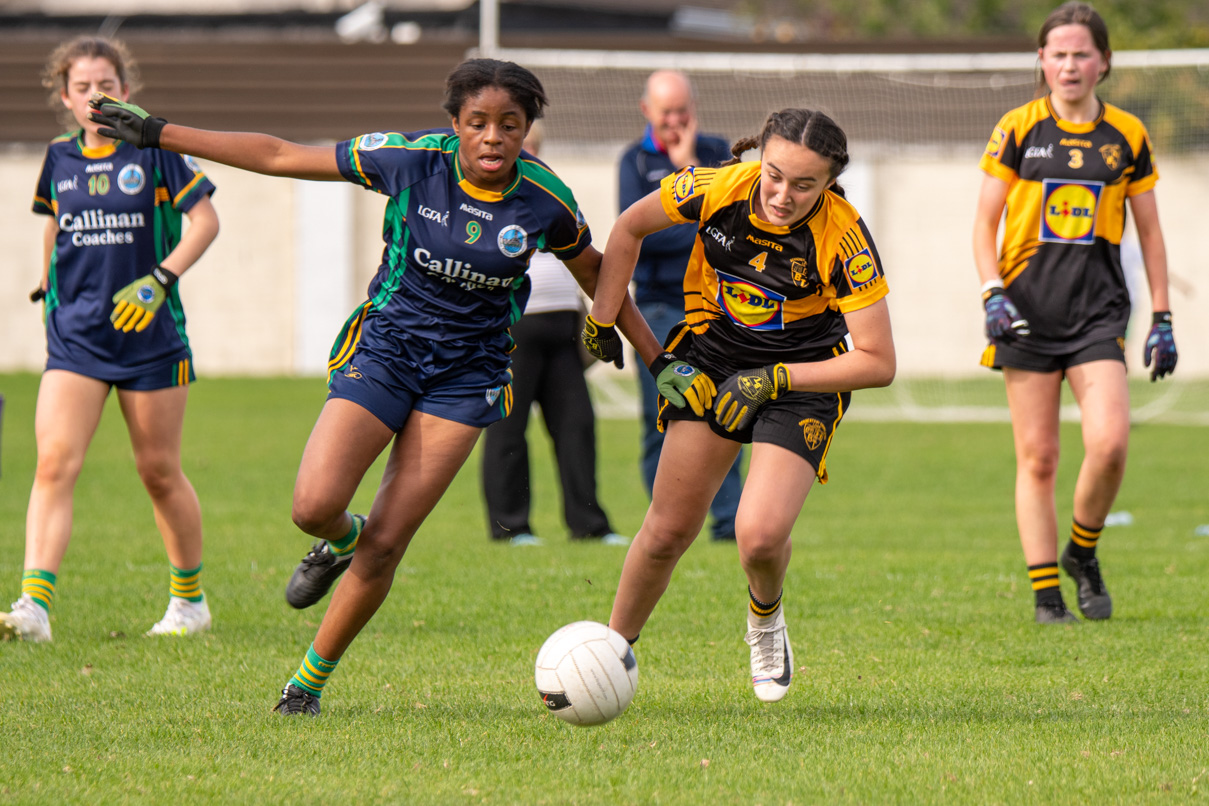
[[546, 369]]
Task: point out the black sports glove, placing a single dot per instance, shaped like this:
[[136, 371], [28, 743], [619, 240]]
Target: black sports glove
[[37, 295], [1003, 320], [602, 341], [680, 383], [125, 121], [743, 393], [1161, 345]]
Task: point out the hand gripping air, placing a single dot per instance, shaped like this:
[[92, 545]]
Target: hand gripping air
[[602, 341], [1160, 346], [744, 393], [123, 121], [136, 304], [680, 383]]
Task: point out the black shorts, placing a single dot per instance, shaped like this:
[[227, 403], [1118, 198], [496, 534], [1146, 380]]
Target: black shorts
[[1017, 356]]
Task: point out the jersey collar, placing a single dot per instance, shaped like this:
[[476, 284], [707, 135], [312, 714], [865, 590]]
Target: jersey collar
[[99, 153], [478, 193], [1074, 128], [777, 229]]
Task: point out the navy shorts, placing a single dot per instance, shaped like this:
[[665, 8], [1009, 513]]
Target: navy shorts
[[1016, 356], [466, 382], [164, 376]]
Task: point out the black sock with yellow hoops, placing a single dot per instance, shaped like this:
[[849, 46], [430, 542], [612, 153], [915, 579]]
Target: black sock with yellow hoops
[[1045, 583], [1083, 541], [764, 610]]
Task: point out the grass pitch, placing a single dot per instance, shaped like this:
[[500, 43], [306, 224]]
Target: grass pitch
[[921, 676]]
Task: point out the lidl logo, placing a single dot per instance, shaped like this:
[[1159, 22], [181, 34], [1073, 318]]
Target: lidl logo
[[748, 304], [861, 269], [995, 146], [682, 188], [1068, 214]]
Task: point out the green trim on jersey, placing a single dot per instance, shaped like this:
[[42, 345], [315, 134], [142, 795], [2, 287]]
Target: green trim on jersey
[[168, 226], [548, 181], [427, 142], [395, 217]]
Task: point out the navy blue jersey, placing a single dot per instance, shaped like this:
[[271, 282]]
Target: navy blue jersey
[[119, 214], [455, 257]]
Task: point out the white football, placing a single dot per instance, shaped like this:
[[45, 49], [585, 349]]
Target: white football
[[586, 673]]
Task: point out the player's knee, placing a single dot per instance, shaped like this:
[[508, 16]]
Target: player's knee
[[315, 515], [158, 474], [1040, 463], [1109, 455], [666, 541], [759, 546], [57, 466]]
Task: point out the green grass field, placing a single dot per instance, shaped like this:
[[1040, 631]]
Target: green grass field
[[921, 676]]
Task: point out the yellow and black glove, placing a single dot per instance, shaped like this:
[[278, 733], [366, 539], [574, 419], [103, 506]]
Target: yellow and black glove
[[680, 383], [123, 121], [602, 341], [743, 393], [136, 304]]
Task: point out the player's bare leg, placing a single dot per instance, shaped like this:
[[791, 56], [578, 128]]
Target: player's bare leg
[[692, 465], [1033, 400], [426, 456], [1103, 394]]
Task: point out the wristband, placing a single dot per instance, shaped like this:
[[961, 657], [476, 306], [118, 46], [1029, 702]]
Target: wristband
[[1161, 318], [989, 287], [164, 277], [661, 363]]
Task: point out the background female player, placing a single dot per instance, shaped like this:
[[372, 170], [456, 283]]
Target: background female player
[[424, 362], [114, 250], [1064, 166], [784, 300]]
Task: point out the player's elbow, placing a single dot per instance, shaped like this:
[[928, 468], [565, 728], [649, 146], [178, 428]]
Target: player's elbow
[[884, 370]]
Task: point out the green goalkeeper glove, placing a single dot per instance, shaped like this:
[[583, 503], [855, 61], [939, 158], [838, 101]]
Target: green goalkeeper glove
[[743, 393], [123, 121], [602, 341], [682, 383], [137, 303]]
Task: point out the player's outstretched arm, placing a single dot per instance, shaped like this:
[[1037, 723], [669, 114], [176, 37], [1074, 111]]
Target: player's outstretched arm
[[250, 151], [585, 267]]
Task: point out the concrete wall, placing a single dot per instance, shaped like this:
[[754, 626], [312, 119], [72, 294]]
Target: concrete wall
[[294, 258]]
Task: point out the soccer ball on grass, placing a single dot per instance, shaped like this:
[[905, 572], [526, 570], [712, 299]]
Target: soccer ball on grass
[[586, 673]]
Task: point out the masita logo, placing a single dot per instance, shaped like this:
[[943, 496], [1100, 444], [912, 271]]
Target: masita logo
[[748, 304], [1068, 214], [131, 179]]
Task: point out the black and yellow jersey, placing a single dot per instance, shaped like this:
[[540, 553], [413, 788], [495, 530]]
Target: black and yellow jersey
[[1068, 182], [756, 293]]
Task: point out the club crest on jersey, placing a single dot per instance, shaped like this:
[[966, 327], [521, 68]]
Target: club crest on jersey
[[513, 241], [798, 268], [682, 188], [1068, 214], [371, 142], [748, 304], [192, 163], [493, 395], [995, 146], [580, 221], [813, 433], [1112, 155], [861, 269], [131, 179]]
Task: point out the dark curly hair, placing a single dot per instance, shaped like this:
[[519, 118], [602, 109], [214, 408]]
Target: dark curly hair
[[475, 75]]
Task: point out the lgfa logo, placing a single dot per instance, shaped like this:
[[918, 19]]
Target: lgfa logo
[[1068, 214], [748, 304]]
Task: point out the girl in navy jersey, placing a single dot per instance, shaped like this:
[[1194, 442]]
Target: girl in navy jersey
[[785, 309], [114, 250], [1056, 302], [423, 363]]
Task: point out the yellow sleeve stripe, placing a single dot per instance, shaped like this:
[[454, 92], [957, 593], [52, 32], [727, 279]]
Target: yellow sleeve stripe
[[185, 191]]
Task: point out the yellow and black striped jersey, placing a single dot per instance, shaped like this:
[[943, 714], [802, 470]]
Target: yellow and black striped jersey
[[1068, 182], [758, 293]]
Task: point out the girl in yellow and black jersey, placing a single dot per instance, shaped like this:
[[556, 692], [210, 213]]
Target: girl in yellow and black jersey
[[1055, 297], [784, 307]]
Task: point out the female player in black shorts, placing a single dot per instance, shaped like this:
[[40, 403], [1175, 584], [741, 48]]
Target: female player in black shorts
[[784, 306], [423, 363], [1055, 297], [114, 319]]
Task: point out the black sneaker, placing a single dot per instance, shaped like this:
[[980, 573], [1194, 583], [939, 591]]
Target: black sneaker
[[296, 701], [316, 573], [1094, 601], [1055, 613]]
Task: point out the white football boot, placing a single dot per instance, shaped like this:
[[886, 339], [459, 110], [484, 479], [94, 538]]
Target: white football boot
[[183, 618], [771, 656], [27, 621]]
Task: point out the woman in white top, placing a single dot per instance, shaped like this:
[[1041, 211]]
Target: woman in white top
[[547, 368]]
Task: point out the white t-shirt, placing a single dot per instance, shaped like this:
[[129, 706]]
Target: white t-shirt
[[553, 287]]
